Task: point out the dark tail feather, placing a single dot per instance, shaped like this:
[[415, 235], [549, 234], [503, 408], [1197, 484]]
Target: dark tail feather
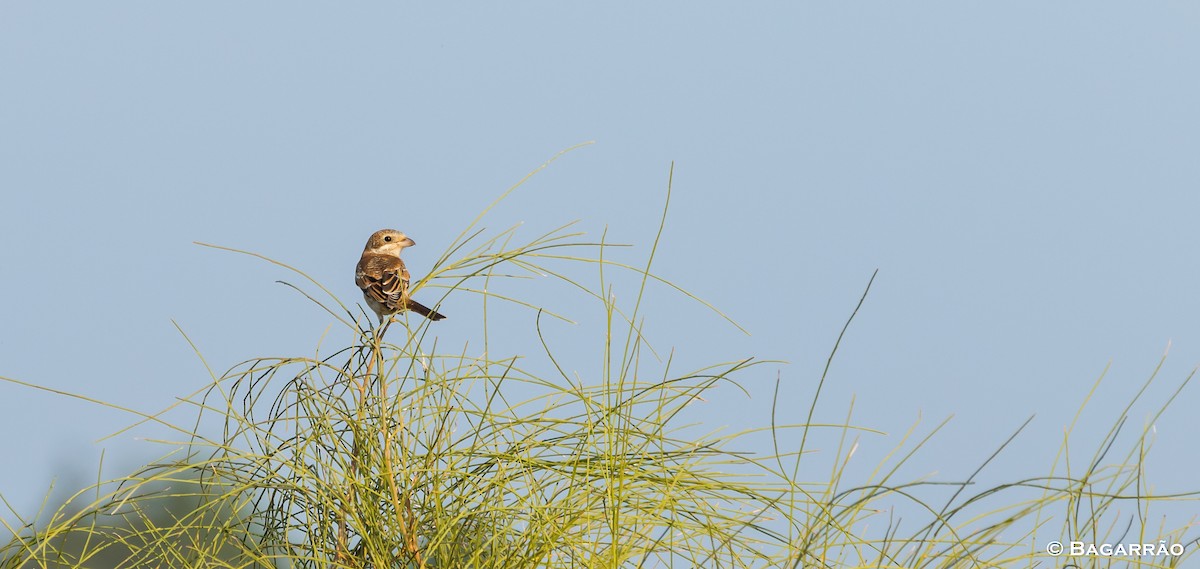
[[424, 310]]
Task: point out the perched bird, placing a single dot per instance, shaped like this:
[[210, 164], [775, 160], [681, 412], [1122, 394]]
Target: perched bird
[[383, 278]]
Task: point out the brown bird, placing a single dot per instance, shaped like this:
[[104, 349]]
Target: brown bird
[[383, 278]]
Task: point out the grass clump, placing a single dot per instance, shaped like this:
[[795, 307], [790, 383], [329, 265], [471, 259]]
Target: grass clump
[[390, 452]]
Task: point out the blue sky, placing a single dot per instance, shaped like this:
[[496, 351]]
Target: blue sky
[[1023, 175]]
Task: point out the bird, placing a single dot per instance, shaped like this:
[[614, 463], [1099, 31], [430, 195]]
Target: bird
[[383, 278]]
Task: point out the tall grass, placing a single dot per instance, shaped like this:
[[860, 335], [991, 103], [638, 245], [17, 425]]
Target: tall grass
[[390, 451]]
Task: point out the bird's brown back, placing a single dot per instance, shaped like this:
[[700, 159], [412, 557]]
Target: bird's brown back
[[383, 278]]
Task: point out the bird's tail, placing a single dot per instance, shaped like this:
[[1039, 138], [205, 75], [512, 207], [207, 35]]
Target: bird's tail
[[424, 310]]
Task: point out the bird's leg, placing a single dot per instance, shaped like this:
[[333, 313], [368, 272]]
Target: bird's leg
[[384, 324]]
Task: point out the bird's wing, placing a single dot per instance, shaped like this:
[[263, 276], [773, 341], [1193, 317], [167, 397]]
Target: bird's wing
[[383, 278]]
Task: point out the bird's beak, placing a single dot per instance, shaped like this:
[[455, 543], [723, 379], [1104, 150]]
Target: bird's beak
[[408, 242]]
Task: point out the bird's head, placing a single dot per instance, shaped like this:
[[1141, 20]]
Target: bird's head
[[388, 242]]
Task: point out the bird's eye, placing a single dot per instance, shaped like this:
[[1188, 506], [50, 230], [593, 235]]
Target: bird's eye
[[388, 238]]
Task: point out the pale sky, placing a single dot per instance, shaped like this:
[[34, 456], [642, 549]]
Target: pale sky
[[1024, 175]]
